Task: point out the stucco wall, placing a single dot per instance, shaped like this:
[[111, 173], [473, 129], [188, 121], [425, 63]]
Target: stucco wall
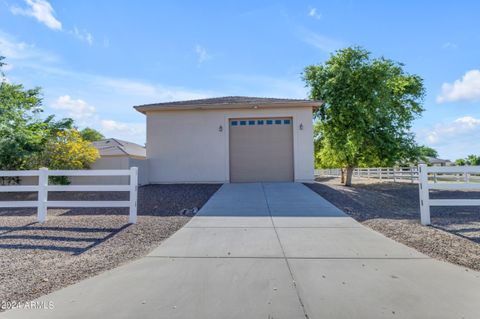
[[142, 164], [118, 162], [186, 146]]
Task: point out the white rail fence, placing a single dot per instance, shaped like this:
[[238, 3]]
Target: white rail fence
[[381, 173], [42, 202], [397, 174], [450, 176]]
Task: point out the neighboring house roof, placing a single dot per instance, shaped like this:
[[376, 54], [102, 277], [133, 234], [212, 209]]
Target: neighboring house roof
[[434, 160], [116, 147], [227, 102]]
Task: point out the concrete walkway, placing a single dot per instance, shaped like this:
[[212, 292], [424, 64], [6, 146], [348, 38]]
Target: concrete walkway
[[272, 251]]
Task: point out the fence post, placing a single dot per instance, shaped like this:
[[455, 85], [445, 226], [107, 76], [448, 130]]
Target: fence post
[[394, 176], [411, 174], [42, 194], [132, 215], [423, 194]]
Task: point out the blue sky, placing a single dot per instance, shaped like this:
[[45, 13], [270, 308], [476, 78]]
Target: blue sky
[[96, 59]]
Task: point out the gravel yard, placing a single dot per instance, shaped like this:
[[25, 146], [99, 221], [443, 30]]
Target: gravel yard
[[393, 210], [74, 244]]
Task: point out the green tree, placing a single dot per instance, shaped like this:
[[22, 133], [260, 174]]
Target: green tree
[[90, 134], [317, 144], [425, 151], [369, 105], [22, 132], [472, 160]]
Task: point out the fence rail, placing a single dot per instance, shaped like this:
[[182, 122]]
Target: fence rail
[[470, 177], [42, 202], [381, 173], [437, 174]]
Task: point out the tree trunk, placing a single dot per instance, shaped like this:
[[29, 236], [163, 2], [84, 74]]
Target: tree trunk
[[342, 175], [349, 174]]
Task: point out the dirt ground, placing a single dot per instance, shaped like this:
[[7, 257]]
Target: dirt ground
[[393, 210], [74, 244]]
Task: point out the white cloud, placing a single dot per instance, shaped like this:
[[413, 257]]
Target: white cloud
[[79, 110], [465, 89], [129, 131], [202, 54], [447, 131], [128, 92], [7, 67], [267, 86], [82, 35], [314, 14], [129, 86], [12, 49], [449, 45], [85, 115], [455, 139], [16, 51], [320, 41], [155, 92], [42, 11], [106, 42]]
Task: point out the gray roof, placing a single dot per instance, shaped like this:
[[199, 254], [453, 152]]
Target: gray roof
[[437, 160], [227, 102], [116, 147], [434, 160]]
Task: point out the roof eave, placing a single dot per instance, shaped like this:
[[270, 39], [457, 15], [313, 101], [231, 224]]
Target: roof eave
[[154, 107]]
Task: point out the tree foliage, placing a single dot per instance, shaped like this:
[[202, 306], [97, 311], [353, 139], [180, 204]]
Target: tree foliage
[[369, 105], [66, 150], [22, 131], [25, 136], [472, 160], [425, 151], [90, 134]]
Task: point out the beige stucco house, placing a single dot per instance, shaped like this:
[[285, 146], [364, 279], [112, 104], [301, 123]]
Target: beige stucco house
[[117, 154], [436, 161], [229, 139]]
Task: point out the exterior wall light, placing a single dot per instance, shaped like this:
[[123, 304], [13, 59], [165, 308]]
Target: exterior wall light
[[220, 128], [301, 127]]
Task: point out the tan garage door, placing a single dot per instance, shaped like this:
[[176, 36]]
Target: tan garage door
[[261, 150]]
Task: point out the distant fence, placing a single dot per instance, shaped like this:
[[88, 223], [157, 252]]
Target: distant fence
[[380, 173], [42, 188], [402, 174], [446, 178]]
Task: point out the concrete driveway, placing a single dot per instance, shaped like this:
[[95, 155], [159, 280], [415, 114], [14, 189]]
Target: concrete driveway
[[272, 250]]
